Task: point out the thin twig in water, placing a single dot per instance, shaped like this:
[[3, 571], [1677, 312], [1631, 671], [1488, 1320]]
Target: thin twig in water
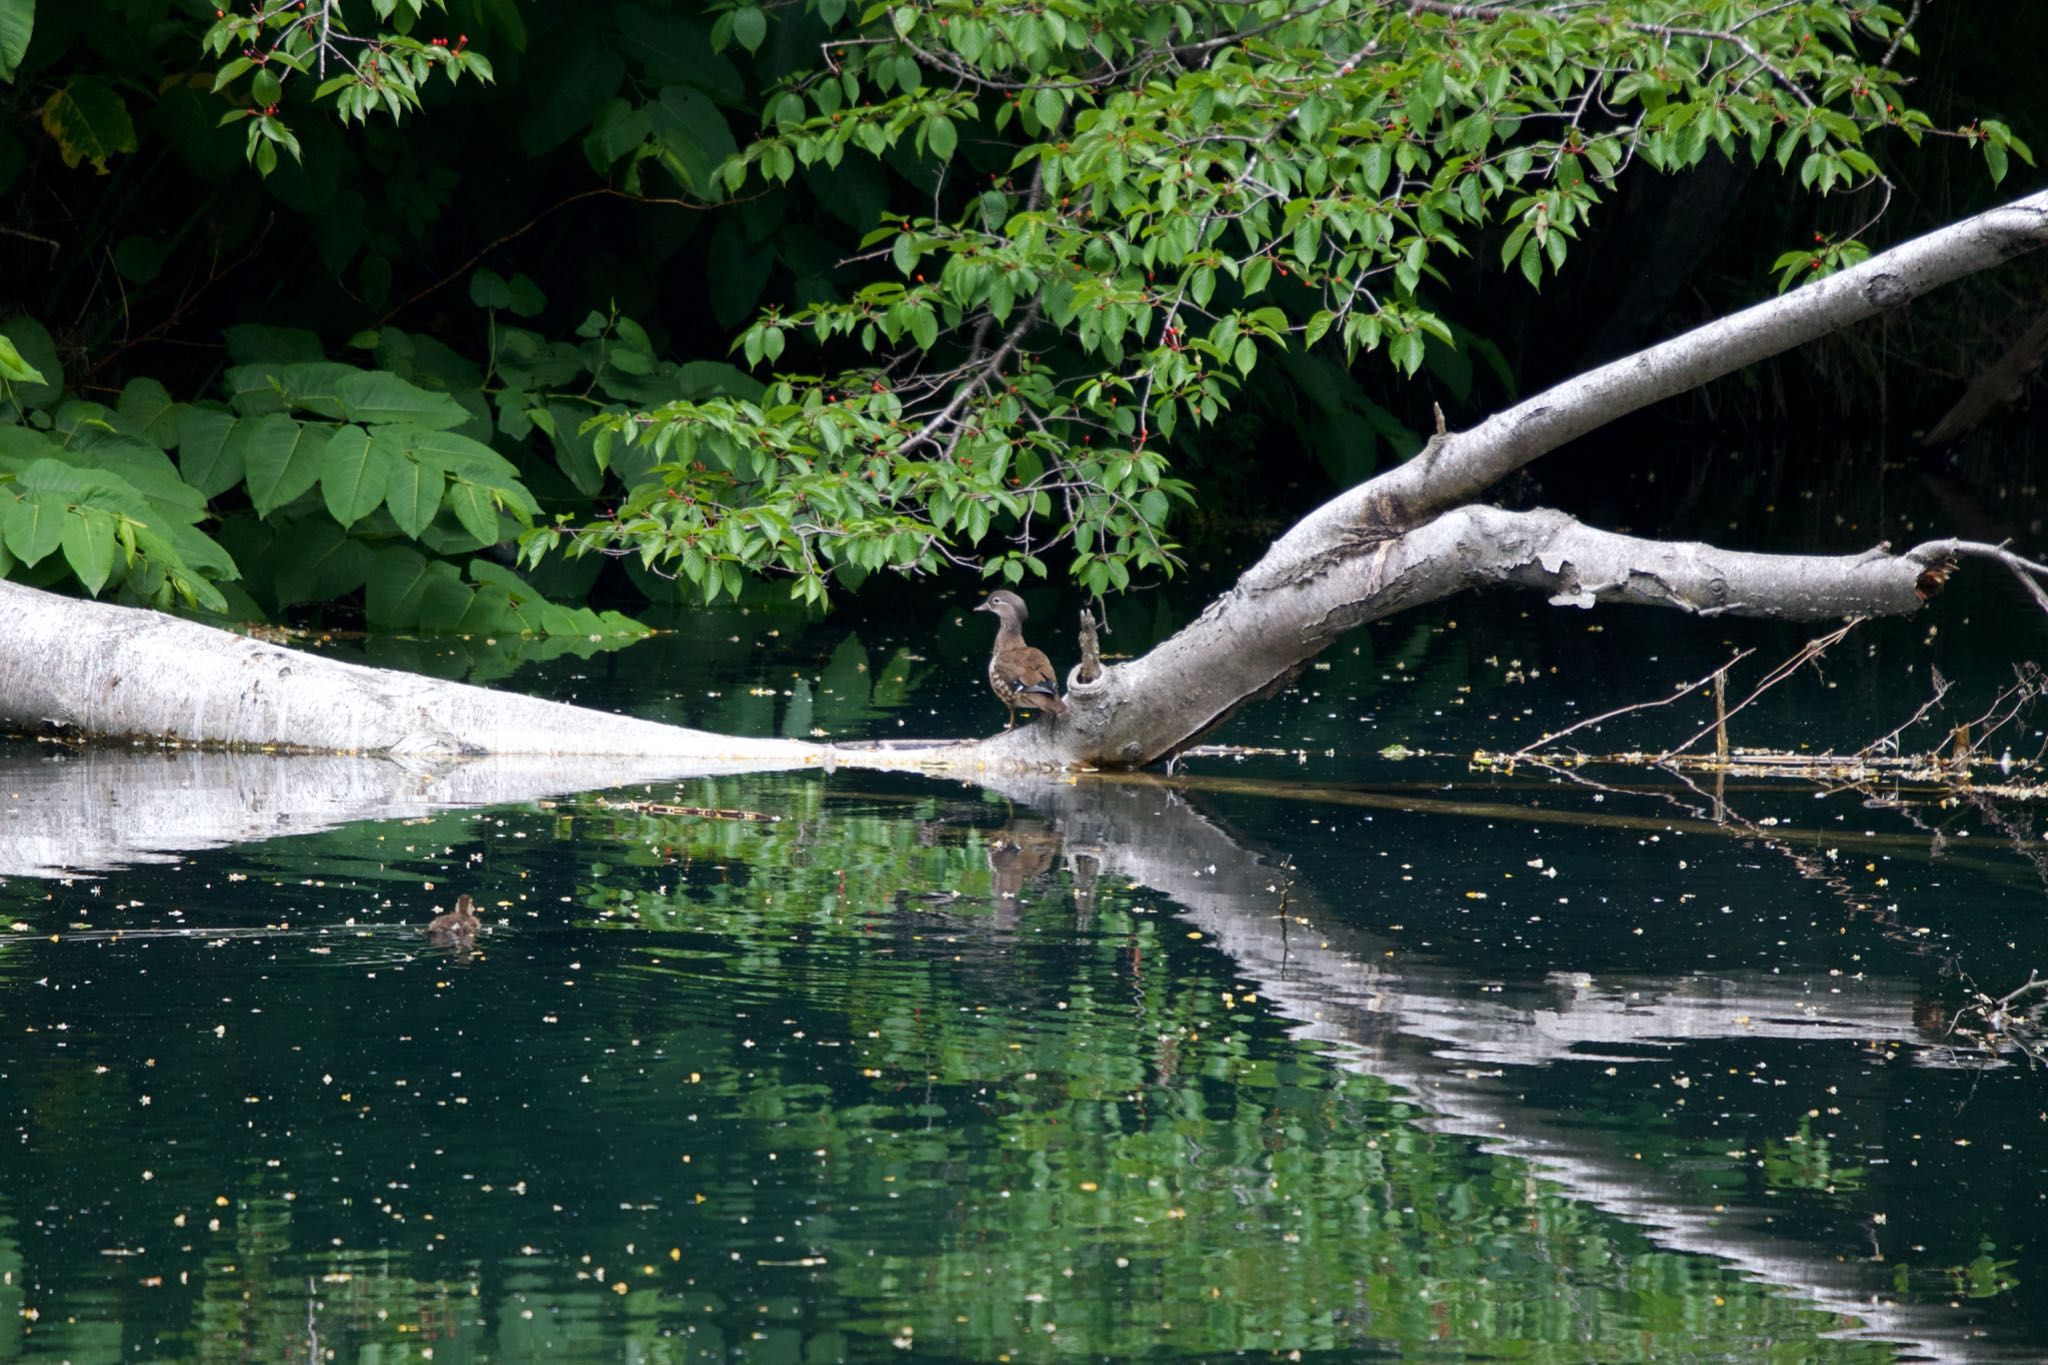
[[1941, 687], [1682, 690], [1812, 650]]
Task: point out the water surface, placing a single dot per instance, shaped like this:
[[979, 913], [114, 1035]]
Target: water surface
[[1302, 1054]]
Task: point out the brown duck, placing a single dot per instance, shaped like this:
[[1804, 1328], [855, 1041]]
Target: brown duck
[[457, 927], [1018, 674]]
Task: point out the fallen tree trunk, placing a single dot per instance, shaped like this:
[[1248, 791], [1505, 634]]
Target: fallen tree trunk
[[1288, 608], [1404, 538], [1407, 537], [111, 672]]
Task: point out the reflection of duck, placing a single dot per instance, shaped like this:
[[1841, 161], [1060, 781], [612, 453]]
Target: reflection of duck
[[457, 928], [1018, 852]]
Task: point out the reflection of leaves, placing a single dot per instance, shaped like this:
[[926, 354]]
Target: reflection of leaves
[[1806, 1162], [1985, 1277], [752, 994], [893, 683]]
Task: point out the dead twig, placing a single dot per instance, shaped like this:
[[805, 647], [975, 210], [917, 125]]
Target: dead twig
[[1812, 650], [1682, 690]]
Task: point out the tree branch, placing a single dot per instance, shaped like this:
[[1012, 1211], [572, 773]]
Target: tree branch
[[1466, 463]]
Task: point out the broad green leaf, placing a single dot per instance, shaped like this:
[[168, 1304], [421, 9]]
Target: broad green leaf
[[315, 385], [17, 21], [208, 455], [578, 78], [487, 289], [413, 492], [88, 539], [379, 396], [397, 584], [142, 477], [476, 462], [146, 411], [694, 137], [282, 458], [750, 27], [89, 122], [473, 507], [38, 351], [319, 562], [12, 367], [33, 522], [355, 470]]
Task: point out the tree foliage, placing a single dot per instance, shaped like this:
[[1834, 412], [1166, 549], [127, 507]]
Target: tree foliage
[[966, 283]]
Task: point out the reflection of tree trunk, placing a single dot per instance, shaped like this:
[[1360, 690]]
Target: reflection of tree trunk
[[1445, 1036], [1413, 534], [1423, 1025], [1999, 384], [99, 808]]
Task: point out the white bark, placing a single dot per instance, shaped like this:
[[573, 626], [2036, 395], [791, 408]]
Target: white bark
[[1306, 592], [114, 672]]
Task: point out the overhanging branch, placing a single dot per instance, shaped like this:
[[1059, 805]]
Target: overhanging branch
[[1464, 464]]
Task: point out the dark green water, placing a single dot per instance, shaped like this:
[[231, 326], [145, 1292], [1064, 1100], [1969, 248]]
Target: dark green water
[[1311, 1055]]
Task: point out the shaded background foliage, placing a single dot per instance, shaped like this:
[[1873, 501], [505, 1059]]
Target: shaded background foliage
[[561, 242]]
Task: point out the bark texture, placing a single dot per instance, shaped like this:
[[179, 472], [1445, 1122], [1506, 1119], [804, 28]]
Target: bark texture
[[119, 672], [1304, 594]]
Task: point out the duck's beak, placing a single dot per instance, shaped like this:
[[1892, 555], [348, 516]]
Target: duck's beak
[[987, 604]]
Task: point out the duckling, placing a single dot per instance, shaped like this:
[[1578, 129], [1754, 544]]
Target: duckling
[[456, 928]]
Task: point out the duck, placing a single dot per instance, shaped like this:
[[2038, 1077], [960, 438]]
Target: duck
[[457, 927], [1018, 674]]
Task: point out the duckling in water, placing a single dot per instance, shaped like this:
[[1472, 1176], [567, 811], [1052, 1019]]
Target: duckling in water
[[457, 928]]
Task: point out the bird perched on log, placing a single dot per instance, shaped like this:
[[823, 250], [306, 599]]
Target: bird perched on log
[[1018, 674]]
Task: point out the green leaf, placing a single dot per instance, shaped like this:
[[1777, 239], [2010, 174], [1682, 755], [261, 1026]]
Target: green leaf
[[1406, 349], [320, 562], [145, 411], [750, 27], [694, 138], [526, 298], [1995, 159], [380, 396], [39, 352], [413, 493], [89, 122], [12, 366], [579, 76], [487, 289], [88, 539], [398, 584], [355, 469], [281, 457], [33, 523], [208, 456], [473, 507], [456, 454], [17, 21]]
